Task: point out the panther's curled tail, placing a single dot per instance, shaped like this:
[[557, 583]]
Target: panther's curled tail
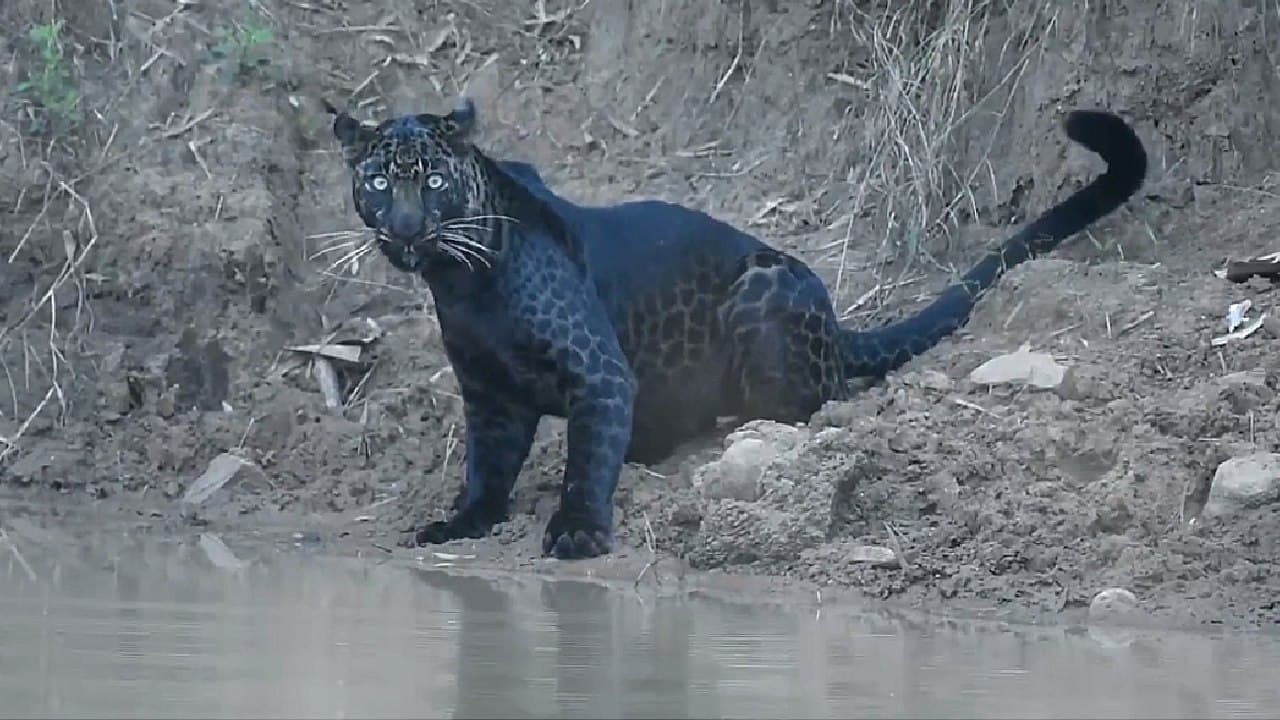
[[874, 353]]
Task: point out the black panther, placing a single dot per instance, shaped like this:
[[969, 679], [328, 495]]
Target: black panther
[[641, 322]]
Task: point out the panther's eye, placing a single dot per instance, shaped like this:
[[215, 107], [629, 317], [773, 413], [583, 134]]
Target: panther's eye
[[378, 182], [435, 181]]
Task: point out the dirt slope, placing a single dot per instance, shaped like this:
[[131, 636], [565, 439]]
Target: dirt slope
[[195, 188]]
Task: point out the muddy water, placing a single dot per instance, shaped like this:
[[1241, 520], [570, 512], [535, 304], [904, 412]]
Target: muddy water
[[123, 626]]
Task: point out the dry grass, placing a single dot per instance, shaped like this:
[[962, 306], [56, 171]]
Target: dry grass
[[58, 221], [51, 213], [931, 70], [745, 130], [51, 220]]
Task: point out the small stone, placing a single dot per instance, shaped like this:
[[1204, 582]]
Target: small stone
[[165, 407], [1115, 604], [116, 400], [1073, 386], [686, 513], [873, 555], [1244, 482], [930, 380]]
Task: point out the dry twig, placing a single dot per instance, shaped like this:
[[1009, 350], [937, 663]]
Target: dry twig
[[651, 543]]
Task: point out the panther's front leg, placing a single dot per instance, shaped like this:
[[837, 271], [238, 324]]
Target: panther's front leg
[[499, 435], [574, 356], [599, 428]]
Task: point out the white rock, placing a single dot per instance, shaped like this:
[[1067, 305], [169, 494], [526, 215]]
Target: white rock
[[1021, 367], [1115, 604], [1244, 482]]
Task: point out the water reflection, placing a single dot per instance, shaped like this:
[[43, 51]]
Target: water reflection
[[129, 626]]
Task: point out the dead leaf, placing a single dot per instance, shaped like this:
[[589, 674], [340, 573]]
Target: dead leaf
[[327, 378], [1244, 331], [338, 351], [219, 471]]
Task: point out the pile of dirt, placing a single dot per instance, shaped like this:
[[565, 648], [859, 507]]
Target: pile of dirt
[[178, 228]]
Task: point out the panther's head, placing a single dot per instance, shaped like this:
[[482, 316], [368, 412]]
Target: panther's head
[[421, 186]]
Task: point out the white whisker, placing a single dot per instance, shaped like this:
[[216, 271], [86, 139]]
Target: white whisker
[[352, 259], [465, 226], [468, 244], [336, 234], [335, 248], [481, 218], [461, 239], [457, 255], [472, 253], [357, 239]]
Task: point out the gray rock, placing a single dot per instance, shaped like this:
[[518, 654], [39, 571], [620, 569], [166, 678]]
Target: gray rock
[[769, 498], [1244, 482], [736, 475], [748, 451], [930, 380]]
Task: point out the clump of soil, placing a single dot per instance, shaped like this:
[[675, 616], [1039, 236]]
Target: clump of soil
[[177, 228]]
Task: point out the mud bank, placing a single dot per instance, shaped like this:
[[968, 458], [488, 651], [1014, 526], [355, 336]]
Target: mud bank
[[195, 188]]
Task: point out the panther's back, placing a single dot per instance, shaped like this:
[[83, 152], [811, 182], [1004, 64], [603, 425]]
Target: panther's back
[[645, 246]]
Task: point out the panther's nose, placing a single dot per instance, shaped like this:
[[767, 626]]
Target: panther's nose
[[406, 226]]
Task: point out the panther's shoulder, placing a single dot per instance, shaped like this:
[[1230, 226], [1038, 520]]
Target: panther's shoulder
[[528, 176], [526, 173], [618, 231]]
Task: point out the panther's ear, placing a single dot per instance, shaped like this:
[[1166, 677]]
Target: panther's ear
[[352, 134], [461, 121]]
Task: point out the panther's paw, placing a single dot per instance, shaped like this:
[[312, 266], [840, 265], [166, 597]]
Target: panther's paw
[[573, 534], [465, 524]]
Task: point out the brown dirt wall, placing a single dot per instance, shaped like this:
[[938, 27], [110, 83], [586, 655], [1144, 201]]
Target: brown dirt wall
[[165, 242]]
